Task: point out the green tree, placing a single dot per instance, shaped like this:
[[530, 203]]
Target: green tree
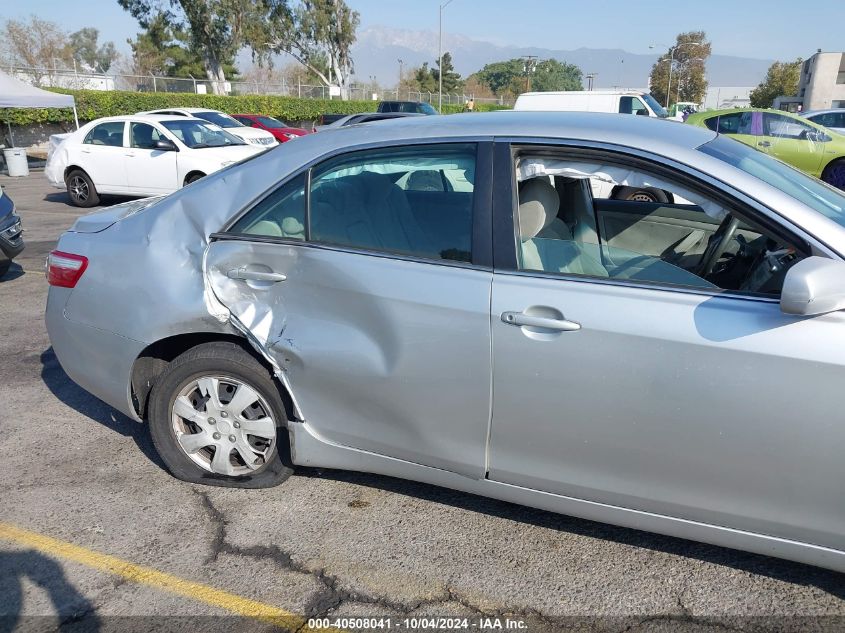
[[501, 77], [216, 30], [550, 74], [687, 58], [424, 79], [511, 77], [165, 51], [86, 49], [38, 45], [451, 80], [319, 34], [781, 80]]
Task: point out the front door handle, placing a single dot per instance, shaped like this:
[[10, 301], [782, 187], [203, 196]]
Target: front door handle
[[522, 319], [764, 144], [255, 275]]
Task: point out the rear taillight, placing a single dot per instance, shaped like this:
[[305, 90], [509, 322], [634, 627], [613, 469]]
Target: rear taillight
[[65, 269]]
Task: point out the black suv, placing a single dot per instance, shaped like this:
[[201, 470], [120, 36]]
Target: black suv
[[406, 106], [11, 233]]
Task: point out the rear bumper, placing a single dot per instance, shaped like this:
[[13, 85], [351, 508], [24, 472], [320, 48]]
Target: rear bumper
[[97, 360]]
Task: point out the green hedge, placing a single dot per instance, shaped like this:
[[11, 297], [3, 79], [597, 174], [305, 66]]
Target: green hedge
[[93, 104]]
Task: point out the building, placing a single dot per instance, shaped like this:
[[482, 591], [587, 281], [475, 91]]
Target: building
[[822, 82], [724, 97]]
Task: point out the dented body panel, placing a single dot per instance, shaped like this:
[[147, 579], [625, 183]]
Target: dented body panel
[[371, 331]]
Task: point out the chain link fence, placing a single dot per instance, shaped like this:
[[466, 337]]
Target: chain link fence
[[78, 80]]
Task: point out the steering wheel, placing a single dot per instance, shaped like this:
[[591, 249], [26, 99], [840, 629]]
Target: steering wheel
[[717, 246]]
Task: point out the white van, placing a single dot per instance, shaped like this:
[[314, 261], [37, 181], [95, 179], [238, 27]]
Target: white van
[[621, 101]]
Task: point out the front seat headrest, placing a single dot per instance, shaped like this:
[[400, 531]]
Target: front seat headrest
[[538, 206]]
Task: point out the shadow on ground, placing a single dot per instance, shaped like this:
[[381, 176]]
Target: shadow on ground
[[74, 611], [61, 386], [795, 573], [14, 272]]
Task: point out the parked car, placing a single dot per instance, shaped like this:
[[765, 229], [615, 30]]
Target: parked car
[[279, 129], [415, 107], [327, 119], [831, 119], [804, 144], [615, 101], [251, 135], [365, 117], [11, 233], [673, 368], [140, 155]]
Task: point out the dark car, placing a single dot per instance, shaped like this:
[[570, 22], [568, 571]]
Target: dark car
[[415, 107], [281, 130], [366, 117], [11, 233]]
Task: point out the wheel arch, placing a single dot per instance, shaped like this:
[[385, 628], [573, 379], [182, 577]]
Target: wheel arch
[[71, 168], [191, 174], [156, 357]]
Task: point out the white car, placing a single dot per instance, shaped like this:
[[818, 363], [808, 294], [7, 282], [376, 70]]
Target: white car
[[140, 155], [254, 136], [833, 119]]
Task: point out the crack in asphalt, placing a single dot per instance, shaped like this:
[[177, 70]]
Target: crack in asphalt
[[331, 595]]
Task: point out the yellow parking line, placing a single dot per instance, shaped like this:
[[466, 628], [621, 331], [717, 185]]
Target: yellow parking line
[[148, 576]]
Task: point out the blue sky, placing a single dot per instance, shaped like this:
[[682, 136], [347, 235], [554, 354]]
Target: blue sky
[[752, 28]]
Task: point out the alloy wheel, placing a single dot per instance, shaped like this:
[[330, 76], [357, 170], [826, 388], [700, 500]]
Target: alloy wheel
[[79, 189]]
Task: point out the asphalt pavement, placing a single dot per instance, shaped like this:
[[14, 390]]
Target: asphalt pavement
[[85, 504]]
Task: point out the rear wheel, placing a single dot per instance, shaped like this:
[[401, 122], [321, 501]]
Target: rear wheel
[[834, 174], [640, 194], [81, 189], [216, 418], [193, 177]]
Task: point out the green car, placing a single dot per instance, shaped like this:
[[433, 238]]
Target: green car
[[808, 146]]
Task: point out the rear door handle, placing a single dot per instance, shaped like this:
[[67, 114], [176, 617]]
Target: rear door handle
[[521, 319], [255, 275], [764, 144]]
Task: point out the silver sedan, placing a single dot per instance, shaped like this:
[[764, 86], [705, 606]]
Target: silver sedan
[[469, 301]]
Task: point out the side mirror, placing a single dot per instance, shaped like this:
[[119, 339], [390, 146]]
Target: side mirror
[[815, 285], [166, 145]]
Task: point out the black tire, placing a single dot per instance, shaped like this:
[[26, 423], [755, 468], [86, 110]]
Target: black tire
[[641, 194], [193, 178], [215, 359], [5, 264], [81, 189], [834, 173]]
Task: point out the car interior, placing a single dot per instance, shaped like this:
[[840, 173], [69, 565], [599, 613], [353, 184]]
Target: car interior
[[426, 212], [106, 134], [564, 229]]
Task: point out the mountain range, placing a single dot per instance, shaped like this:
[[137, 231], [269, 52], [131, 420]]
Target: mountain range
[[378, 49]]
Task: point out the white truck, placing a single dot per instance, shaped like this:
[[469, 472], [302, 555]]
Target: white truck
[[617, 101]]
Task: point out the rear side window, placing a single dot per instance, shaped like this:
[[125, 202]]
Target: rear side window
[[735, 123], [110, 133], [411, 201], [281, 214]]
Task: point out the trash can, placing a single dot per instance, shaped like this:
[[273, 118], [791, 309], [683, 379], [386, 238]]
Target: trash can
[[16, 164]]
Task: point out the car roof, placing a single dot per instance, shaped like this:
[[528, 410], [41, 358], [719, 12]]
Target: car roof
[[825, 111], [188, 110], [646, 133], [150, 118]]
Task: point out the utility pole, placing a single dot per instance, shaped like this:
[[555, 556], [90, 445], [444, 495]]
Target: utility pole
[[399, 85], [440, 57], [529, 64]]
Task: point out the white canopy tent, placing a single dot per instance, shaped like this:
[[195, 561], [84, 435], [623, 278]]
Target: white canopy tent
[[15, 93]]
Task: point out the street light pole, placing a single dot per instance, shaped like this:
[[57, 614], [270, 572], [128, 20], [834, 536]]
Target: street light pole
[[399, 85], [672, 64], [440, 57]]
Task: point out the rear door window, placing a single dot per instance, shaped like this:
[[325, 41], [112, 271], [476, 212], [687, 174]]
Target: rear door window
[[734, 123], [110, 133]]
